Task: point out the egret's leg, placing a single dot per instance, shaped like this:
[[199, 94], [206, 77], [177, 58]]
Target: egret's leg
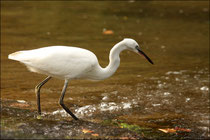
[[37, 91], [61, 100]]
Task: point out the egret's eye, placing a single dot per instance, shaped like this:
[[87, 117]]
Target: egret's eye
[[137, 47]]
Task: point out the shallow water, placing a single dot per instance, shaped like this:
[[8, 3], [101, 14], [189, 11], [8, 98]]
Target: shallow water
[[175, 35]]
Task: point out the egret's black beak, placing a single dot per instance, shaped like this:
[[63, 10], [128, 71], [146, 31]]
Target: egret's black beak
[[142, 53]]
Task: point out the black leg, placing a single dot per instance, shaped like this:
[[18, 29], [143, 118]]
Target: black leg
[[61, 100], [37, 91]]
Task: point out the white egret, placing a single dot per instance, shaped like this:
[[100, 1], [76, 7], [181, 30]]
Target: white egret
[[70, 63]]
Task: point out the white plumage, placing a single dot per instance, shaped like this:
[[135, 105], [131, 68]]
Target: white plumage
[[69, 63], [58, 61]]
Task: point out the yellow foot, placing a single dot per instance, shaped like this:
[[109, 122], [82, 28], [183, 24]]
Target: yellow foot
[[39, 117]]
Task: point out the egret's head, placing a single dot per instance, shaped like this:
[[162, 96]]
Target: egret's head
[[130, 44], [134, 46]]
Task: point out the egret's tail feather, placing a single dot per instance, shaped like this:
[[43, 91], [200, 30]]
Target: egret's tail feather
[[16, 56]]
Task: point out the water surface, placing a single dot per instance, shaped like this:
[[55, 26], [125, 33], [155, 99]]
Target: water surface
[[175, 35]]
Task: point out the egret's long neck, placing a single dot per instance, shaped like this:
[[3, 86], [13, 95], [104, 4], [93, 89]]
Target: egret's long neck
[[114, 62]]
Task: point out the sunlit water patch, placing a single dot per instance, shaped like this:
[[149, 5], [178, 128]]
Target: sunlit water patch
[[89, 110]]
